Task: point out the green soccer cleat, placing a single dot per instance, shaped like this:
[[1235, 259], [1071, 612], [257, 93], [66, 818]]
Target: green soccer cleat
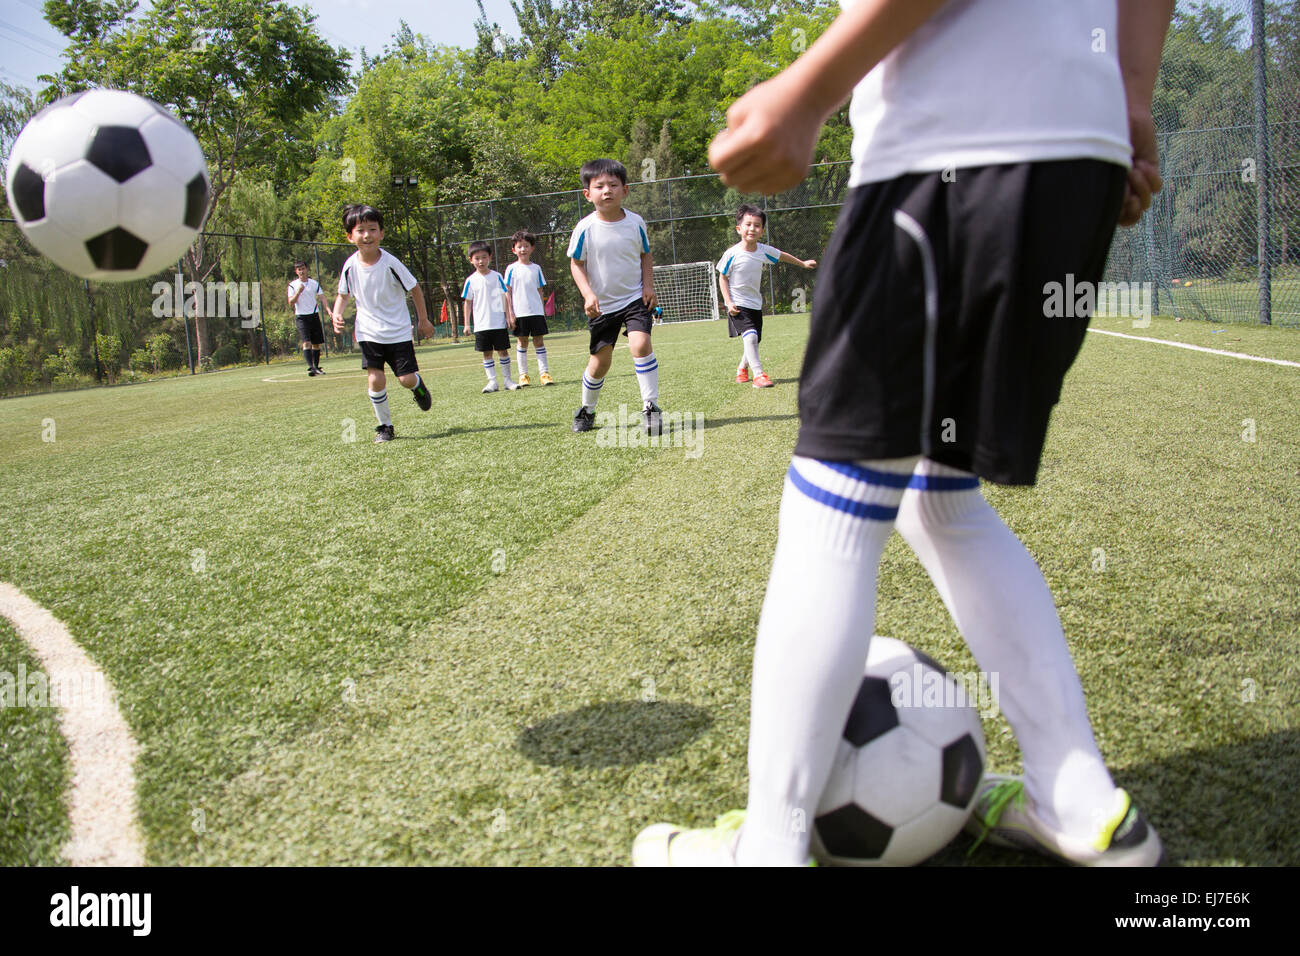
[[1004, 817], [666, 845], [422, 396]]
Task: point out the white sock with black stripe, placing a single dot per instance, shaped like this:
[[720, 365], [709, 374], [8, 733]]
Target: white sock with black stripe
[[835, 520], [379, 400], [590, 391], [522, 355], [490, 367], [541, 359], [996, 594], [505, 366], [749, 338], [647, 376]]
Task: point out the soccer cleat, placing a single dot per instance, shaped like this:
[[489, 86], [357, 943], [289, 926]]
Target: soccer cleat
[[584, 420], [666, 845], [311, 371], [383, 433], [422, 396], [512, 385], [763, 381], [319, 370], [742, 376], [546, 379], [524, 380], [490, 387], [653, 421], [1004, 817]]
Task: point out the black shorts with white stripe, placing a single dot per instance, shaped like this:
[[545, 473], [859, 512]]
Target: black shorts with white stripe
[[930, 331], [744, 320]]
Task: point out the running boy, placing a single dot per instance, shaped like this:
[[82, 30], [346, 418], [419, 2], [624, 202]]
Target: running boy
[[525, 281], [304, 293], [975, 210], [380, 284], [487, 300], [740, 277], [610, 261]]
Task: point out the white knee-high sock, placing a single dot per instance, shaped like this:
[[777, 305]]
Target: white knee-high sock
[[379, 401], [590, 391], [490, 367], [541, 359], [997, 596], [813, 636], [647, 376], [750, 340], [522, 355], [505, 366]]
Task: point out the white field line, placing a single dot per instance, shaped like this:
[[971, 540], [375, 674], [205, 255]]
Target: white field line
[[1197, 348], [101, 750]]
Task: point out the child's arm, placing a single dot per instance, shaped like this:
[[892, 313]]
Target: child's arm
[[337, 315], [806, 263], [725, 286], [772, 130], [648, 280], [590, 304], [510, 313], [423, 326], [467, 306], [1142, 29]]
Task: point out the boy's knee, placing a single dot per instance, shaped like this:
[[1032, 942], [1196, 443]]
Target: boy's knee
[[408, 381]]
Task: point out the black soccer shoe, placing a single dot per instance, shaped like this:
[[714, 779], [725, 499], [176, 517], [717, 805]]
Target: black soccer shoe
[[422, 396], [384, 433], [584, 420]]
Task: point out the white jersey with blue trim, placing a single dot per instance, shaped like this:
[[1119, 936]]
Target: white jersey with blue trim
[[744, 272], [488, 295], [612, 252], [525, 283]]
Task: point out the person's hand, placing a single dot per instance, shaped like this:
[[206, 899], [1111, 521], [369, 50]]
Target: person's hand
[[768, 144], [591, 305], [425, 329], [650, 299], [733, 309], [467, 330], [1144, 179], [810, 263]]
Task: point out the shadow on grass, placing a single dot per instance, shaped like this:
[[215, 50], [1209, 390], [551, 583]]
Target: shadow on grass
[[457, 430], [613, 734], [723, 422]]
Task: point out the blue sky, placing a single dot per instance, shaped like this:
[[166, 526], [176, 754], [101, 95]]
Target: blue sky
[[29, 46]]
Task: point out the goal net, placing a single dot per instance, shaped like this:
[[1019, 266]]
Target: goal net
[[687, 292]]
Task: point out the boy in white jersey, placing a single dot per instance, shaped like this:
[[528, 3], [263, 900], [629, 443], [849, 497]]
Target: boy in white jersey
[[610, 261], [304, 293], [740, 276], [380, 284], [488, 301], [990, 153], [525, 281]]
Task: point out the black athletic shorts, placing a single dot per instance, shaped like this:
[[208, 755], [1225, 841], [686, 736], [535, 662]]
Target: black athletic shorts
[[745, 320], [400, 355], [310, 329], [492, 340], [531, 325], [605, 328], [930, 331]]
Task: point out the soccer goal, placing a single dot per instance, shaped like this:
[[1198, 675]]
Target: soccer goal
[[687, 292]]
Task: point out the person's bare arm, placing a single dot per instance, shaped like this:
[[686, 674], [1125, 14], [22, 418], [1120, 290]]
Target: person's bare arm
[[795, 261], [590, 304], [648, 280], [423, 326], [1142, 28], [337, 314], [725, 286], [772, 130]]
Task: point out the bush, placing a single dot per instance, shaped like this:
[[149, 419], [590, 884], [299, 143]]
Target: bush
[[64, 368], [228, 354], [110, 354], [162, 352]]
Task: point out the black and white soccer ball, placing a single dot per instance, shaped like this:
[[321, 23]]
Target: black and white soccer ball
[[908, 766], [108, 184]]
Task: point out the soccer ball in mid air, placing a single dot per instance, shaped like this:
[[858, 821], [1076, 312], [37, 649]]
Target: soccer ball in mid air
[[107, 184], [907, 768]]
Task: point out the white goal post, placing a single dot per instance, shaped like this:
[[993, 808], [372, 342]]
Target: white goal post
[[687, 292]]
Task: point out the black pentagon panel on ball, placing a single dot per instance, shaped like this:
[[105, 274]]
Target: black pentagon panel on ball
[[119, 151], [116, 249], [29, 193], [872, 713], [853, 833], [963, 768], [196, 201]]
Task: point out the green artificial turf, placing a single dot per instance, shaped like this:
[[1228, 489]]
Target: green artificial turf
[[494, 641]]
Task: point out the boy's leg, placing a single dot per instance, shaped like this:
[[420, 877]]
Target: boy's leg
[[749, 339], [996, 594], [378, 390], [813, 635], [647, 366], [489, 364], [521, 353], [306, 355], [503, 359], [542, 365], [594, 376]]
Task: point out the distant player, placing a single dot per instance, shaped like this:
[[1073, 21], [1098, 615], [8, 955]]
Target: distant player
[[991, 157], [487, 300], [610, 261], [525, 281], [304, 294], [380, 283], [740, 277]]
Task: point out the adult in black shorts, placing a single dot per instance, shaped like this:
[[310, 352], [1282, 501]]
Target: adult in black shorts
[[304, 294]]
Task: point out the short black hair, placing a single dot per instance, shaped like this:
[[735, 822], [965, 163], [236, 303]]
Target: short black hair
[[602, 167], [360, 212], [747, 210], [523, 235], [299, 262], [478, 245]]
